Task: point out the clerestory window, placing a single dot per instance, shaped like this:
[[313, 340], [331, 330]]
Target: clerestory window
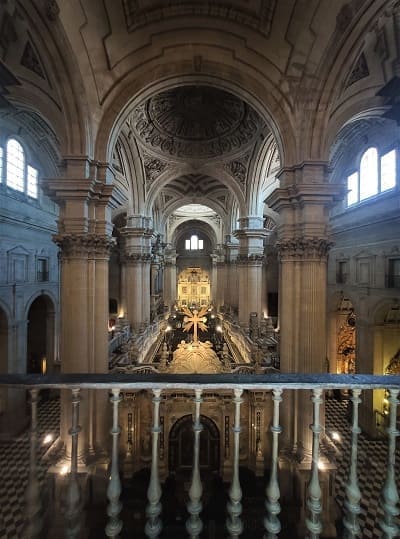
[[15, 172], [194, 243], [375, 174]]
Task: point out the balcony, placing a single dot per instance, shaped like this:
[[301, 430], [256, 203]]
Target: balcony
[[65, 509]]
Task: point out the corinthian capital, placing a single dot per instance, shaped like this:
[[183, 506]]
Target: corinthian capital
[[303, 248], [84, 245]]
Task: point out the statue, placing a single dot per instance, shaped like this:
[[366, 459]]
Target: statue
[[195, 319]]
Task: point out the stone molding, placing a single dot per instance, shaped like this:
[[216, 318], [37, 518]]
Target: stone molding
[[250, 259], [136, 258], [84, 245], [303, 248]]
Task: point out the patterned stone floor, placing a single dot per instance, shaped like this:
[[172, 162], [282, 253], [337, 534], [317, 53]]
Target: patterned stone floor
[[372, 458], [14, 457]]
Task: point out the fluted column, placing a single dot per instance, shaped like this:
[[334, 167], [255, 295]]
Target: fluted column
[[137, 256], [390, 493], [153, 509], [114, 524], [234, 522], [194, 524], [34, 509], [251, 251], [85, 239], [146, 297], [169, 276]]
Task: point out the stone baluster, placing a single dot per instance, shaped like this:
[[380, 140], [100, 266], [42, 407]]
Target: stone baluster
[[313, 522], [153, 510], [271, 522], [353, 494], [234, 523], [34, 521], [390, 493], [194, 524], [114, 524], [73, 498]]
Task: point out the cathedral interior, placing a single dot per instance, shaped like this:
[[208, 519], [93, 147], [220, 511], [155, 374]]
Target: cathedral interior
[[194, 191]]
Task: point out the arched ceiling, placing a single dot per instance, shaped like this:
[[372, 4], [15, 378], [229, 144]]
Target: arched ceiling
[[195, 142], [196, 123]]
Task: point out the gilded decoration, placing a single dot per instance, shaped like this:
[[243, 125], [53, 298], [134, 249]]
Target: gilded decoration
[[346, 345], [196, 356], [197, 122], [394, 364]]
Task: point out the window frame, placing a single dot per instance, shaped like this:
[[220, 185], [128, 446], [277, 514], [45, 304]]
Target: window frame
[[194, 240], [357, 170], [27, 165]]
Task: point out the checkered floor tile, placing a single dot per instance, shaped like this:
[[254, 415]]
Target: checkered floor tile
[[14, 462], [372, 458]]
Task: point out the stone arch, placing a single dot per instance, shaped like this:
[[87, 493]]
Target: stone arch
[[180, 444], [41, 333], [61, 102], [207, 227], [334, 108], [141, 87], [175, 205]]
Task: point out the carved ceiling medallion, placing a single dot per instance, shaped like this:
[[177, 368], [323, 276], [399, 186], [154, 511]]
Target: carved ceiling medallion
[[196, 122]]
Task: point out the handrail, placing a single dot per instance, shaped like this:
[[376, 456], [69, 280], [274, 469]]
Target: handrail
[[202, 381]]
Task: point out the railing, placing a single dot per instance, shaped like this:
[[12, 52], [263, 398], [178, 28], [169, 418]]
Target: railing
[[278, 385]]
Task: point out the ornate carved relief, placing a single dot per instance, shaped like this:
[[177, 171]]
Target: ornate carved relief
[[394, 364], [238, 169], [257, 15], [299, 248], [76, 245], [359, 71], [31, 60], [153, 168], [196, 122]]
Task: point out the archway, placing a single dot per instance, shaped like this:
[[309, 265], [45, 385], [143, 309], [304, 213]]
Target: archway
[[40, 335], [181, 445]]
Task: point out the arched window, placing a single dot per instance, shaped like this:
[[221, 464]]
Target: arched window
[[369, 173], [15, 165], [376, 174], [15, 171], [194, 243]]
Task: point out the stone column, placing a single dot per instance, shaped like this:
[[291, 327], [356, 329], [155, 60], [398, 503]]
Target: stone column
[[84, 237], [137, 235], [220, 300], [214, 279], [169, 276], [303, 244], [231, 295], [251, 251]]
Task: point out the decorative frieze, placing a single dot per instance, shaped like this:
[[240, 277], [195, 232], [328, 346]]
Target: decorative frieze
[[303, 248]]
